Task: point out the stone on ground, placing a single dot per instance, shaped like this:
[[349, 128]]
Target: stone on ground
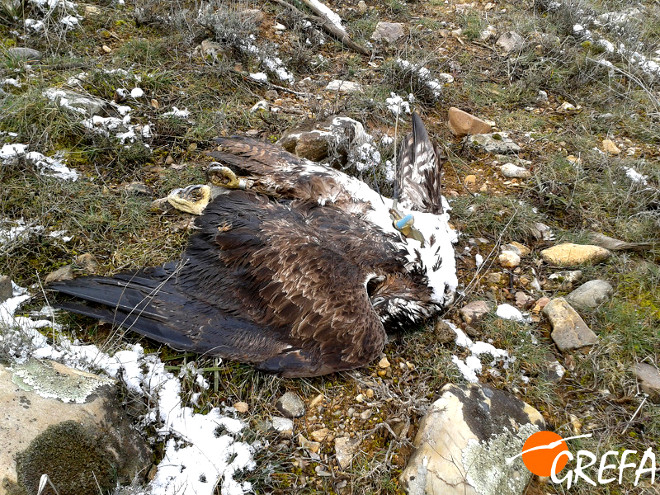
[[649, 380], [24, 53], [69, 424], [569, 254], [513, 171], [569, 331], [473, 312], [496, 142], [590, 295], [6, 290], [388, 31], [345, 450], [511, 42], [290, 405], [464, 440], [343, 86], [462, 123]]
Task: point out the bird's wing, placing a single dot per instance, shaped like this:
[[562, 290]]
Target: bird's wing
[[262, 282], [419, 173], [278, 172]]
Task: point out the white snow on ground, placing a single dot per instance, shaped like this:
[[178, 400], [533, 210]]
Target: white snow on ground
[[19, 230], [175, 112], [201, 450], [50, 166], [471, 367], [635, 176], [329, 13], [396, 104], [423, 74]]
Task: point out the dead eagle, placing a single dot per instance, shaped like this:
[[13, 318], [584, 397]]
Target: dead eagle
[[299, 270]]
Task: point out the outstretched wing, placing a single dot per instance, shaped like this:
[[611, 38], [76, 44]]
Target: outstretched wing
[[279, 285], [419, 175], [278, 172]]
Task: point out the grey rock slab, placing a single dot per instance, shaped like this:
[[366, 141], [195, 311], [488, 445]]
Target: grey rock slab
[[510, 42], [473, 312], [345, 450], [388, 31], [290, 405], [590, 295], [494, 142], [50, 412], [464, 440], [649, 380], [569, 331], [24, 53]]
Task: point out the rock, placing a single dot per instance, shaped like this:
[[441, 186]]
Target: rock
[[510, 42], [78, 103], [523, 300], [488, 33], [475, 311], [542, 97], [462, 123], [282, 425], [553, 370], [508, 312], [388, 31], [384, 363], [517, 247], [343, 86], [540, 304], [610, 147], [569, 331], [66, 423], [255, 15], [542, 232], [617, 245], [470, 180], [290, 405], [496, 142], [63, 273], [464, 440], [86, 262], [509, 259], [312, 145], [590, 295], [443, 333], [136, 189], [92, 10], [649, 380], [312, 447], [24, 53], [563, 280], [241, 407], [320, 435], [514, 171], [569, 254], [362, 7], [345, 449], [6, 289]]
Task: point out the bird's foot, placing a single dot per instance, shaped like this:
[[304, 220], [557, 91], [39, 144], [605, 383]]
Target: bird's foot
[[405, 225], [191, 199], [222, 176]]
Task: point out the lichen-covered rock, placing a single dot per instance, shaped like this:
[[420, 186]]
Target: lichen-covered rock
[[473, 312], [6, 289], [68, 424], [569, 254], [464, 440], [388, 31], [290, 405], [569, 331], [496, 142]]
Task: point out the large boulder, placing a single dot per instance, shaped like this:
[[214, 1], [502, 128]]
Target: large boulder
[[464, 440], [68, 424]]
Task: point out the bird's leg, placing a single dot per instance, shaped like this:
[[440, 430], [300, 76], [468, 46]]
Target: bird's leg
[[191, 199], [405, 224], [222, 176]]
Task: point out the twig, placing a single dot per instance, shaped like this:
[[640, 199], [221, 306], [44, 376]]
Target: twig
[[326, 24]]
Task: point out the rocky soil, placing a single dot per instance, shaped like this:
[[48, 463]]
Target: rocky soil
[[547, 114]]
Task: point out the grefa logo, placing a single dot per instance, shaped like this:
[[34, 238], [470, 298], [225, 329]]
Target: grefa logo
[[545, 454]]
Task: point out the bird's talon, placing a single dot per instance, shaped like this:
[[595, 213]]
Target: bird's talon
[[222, 176]]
